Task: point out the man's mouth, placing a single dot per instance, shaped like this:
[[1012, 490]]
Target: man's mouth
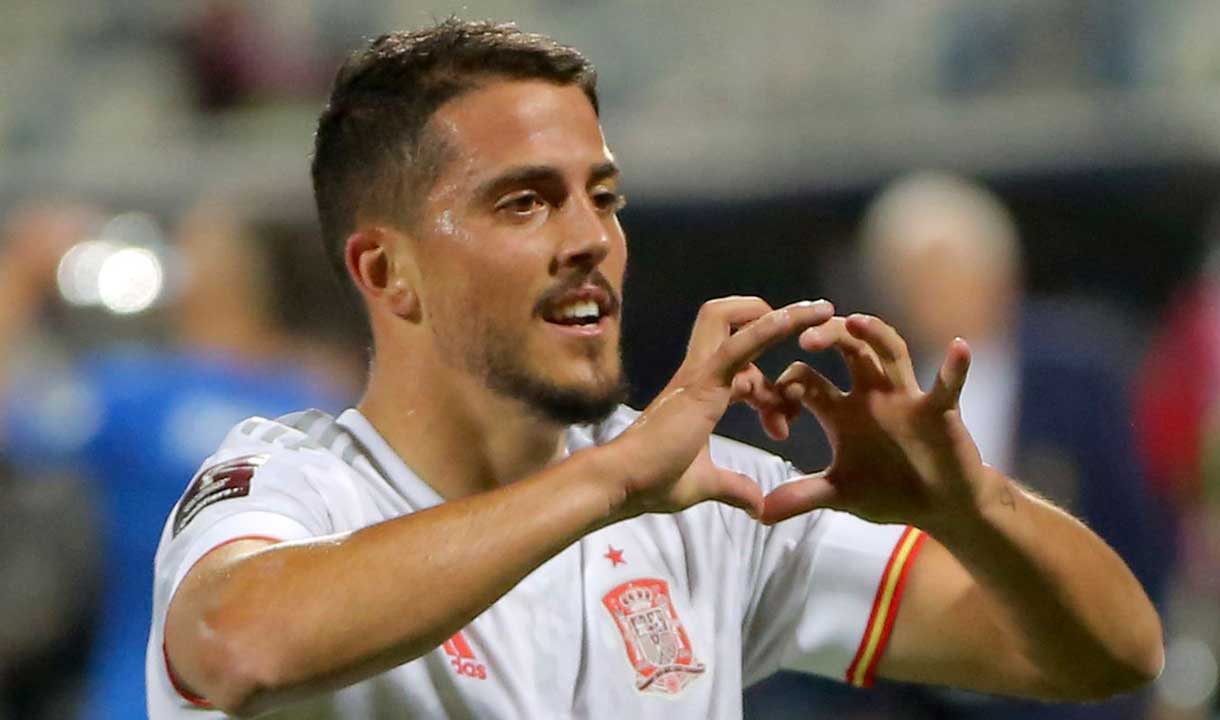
[[584, 306], [578, 312]]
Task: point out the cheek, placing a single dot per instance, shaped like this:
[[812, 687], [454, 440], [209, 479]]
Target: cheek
[[469, 280]]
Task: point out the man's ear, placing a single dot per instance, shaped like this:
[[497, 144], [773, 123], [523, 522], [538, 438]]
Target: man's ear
[[376, 271]]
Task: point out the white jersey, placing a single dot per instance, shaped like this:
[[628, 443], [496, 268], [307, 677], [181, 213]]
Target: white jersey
[[660, 616]]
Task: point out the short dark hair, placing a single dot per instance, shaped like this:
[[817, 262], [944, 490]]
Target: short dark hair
[[372, 150]]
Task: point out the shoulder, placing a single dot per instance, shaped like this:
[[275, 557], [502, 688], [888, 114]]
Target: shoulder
[[278, 462], [296, 439]]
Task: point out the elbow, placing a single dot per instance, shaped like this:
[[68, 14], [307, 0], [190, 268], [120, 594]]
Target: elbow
[[1117, 680], [1120, 680], [1145, 660], [1115, 674], [237, 668], [1145, 664]]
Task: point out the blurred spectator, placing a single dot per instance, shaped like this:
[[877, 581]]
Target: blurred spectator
[[1044, 400], [1178, 425], [48, 558], [135, 419], [239, 53], [48, 540]]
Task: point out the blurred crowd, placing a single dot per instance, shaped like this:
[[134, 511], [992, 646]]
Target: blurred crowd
[[230, 315], [142, 315]]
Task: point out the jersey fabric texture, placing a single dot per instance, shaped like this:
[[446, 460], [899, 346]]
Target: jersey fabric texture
[[660, 616], [134, 421]]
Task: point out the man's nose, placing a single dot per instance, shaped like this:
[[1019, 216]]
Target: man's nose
[[586, 236]]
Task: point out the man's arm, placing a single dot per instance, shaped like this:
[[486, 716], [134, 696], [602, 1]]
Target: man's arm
[[1025, 600], [253, 626], [1011, 595]]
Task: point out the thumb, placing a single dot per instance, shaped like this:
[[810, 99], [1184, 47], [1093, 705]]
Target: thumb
[[799, 496], [737, 490]]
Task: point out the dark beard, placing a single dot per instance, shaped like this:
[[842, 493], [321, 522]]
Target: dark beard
[[494, 358], [564, 406]]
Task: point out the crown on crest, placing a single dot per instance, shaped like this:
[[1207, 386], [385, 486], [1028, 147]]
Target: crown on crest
[[636, 598]]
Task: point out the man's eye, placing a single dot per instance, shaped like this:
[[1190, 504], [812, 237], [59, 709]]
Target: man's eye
[[522, 203], [609, 201]]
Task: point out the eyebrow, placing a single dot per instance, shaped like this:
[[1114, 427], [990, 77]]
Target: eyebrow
[[534, 174]]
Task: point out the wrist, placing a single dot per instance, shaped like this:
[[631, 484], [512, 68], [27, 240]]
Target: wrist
[[994, 497], [602, 476]]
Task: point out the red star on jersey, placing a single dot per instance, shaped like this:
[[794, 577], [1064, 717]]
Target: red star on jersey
[[614, 556]]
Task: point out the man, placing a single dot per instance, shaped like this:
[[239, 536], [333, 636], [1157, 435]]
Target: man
[[488, 534]]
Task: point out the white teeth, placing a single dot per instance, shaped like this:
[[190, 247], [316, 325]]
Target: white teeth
[[579, 310]]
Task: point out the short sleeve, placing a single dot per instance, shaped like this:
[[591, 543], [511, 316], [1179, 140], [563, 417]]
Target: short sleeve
[[242, 495], [252, 487], [827, 590]]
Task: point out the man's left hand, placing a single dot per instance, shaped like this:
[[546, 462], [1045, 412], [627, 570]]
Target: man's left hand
[[901, 455]]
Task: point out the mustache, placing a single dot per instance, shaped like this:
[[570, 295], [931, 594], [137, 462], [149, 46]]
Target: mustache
[[574, 282]]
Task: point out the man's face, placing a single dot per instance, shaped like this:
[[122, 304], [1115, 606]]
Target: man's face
[[520, 252]]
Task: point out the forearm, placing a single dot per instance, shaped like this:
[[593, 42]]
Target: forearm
[[297, 619], [1066, 600]]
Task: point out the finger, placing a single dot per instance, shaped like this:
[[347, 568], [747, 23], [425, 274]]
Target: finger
[[889, 347], [946, 392], [718, 317], [794, 392], [818, 393], [797, 497], [861, 361], [740, 491], [740, 349], [774, 409]]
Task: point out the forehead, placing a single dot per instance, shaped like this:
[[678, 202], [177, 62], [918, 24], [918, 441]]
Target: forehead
[[511, 123]]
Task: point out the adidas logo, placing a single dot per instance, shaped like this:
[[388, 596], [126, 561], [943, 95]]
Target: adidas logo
[[462, 658]]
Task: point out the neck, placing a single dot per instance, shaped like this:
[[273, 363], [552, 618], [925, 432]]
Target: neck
[[457, 435]]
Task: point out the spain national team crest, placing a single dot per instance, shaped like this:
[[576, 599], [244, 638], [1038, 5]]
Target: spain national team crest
[[657, 645]]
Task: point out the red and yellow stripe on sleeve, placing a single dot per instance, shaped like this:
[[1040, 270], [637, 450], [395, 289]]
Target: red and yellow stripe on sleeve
[[885, 607]]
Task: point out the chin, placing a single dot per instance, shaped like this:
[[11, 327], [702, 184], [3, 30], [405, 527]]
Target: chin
[[554, 386], [564, 403], [576, 408]]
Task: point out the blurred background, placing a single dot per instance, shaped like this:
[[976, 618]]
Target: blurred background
[[1041, 177]]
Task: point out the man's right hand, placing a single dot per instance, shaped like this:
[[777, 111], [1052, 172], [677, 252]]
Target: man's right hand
[[666, 449]]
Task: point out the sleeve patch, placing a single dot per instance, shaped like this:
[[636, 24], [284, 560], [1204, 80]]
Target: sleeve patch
[[224, 481]]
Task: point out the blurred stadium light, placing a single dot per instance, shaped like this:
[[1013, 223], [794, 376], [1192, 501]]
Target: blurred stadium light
[[120, 270]]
